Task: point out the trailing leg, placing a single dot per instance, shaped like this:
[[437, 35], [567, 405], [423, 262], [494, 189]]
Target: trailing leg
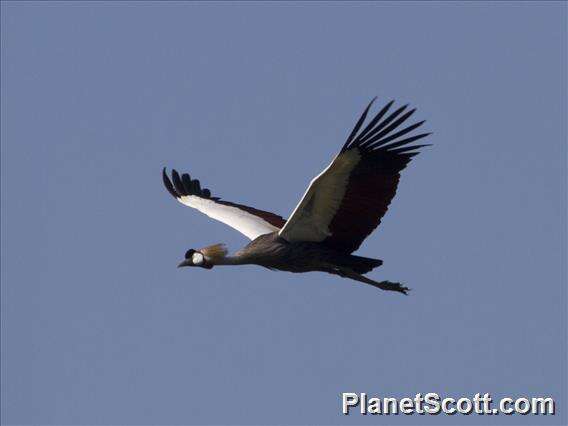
[[383, 285]]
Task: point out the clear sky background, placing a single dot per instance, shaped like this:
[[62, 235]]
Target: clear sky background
[[98, 324]]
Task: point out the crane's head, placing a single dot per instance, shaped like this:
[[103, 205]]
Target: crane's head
[[205, 257], [195, 258]]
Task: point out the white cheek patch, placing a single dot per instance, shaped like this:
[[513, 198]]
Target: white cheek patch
[[197, 258]]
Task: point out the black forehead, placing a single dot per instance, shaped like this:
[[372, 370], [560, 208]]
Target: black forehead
[[189, 253]]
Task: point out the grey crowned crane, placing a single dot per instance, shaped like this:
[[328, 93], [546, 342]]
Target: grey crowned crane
[[341, 207]]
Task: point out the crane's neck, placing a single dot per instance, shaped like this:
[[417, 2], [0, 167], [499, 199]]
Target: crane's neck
[[227, 260]]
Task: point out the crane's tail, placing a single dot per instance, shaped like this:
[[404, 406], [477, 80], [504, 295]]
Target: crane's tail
[[360, 265], [383, 285]]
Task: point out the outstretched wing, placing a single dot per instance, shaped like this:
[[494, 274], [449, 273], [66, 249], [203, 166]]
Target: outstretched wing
[[346, 202], [247, 220]]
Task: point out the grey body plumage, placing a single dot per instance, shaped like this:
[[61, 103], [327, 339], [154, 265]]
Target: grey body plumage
[[274, 252]]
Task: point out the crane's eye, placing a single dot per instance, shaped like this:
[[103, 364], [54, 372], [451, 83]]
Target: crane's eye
[[189, 253]]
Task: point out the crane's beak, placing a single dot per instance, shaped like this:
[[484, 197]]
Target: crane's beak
[[186, 262]]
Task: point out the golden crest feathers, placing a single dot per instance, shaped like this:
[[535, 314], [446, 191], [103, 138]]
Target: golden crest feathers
[[216, 251]]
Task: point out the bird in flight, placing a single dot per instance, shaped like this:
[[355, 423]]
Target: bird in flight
[[340, 208]]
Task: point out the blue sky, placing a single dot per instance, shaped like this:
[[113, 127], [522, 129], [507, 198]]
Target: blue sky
[[254, 99]]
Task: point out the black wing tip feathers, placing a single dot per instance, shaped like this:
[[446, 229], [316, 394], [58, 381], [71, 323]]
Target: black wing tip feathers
[[168, 184], [182, 186], [358, 125], [383, 134]]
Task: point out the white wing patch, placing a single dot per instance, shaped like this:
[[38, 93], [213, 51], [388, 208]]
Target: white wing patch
[[311, 218], [246, 223]]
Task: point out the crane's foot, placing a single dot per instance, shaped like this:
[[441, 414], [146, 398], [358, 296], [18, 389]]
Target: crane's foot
[[383, 285], [389, 285]]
